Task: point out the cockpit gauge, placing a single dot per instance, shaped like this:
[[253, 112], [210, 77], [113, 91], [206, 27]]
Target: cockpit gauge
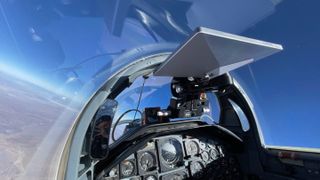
[[214, 154], [151, 177], [202, 145], [134, 178], [179, 175], [171, 151], [192, 148], [205, 156], [196, 168], [127, 168], [113, 172], [147, 161]]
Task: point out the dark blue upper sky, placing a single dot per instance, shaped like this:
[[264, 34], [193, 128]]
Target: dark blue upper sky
[[287, 85]]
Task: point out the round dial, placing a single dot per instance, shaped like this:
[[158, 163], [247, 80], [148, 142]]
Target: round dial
[[205, 156], [175, 176], [113, 172], [151, 177], [179, 176], [196, 168], [202, 145], [171, 152], [214, 154], [127, 168], [192, 148], [147, 161]]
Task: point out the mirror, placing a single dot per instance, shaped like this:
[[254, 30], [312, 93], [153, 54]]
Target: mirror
[[100, 129]]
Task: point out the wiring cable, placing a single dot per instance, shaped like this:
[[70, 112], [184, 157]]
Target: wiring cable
[[118, 120], [130, 110]]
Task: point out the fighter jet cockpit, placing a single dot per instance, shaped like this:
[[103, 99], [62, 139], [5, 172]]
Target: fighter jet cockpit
[[182, 117], [167, 127]]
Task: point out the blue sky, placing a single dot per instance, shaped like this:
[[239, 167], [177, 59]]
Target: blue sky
[[287, 85]]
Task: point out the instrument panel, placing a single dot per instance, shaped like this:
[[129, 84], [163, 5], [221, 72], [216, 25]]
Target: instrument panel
[[169, 157]]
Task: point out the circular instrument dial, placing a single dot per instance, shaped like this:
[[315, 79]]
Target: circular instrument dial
[[147, 161], [171, 152], [192, 148], [180, 176], [205, 156], [151, 177], [196, 168], [175, 176], [214, 154], [127, 168], [113, 172]]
